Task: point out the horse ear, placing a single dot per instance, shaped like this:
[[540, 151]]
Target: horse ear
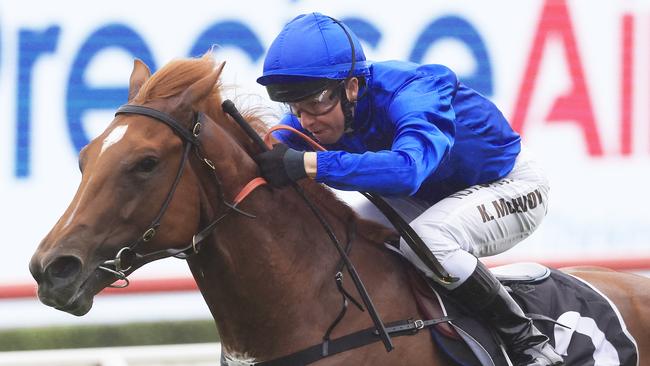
[[139, 75], [200, 89]]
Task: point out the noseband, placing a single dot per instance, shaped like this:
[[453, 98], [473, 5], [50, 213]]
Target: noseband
[[127, 259]]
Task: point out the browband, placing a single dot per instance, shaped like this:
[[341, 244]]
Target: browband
[[181, 131]]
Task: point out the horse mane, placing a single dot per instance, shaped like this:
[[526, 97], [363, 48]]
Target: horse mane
[[173, 78]]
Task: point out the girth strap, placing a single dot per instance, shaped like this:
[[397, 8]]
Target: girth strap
[[351, 341]]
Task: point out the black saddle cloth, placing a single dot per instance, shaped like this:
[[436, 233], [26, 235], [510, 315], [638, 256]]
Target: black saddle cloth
[[593, 331]]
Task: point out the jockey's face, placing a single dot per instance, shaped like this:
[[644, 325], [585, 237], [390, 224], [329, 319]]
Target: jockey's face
[[327, 123]]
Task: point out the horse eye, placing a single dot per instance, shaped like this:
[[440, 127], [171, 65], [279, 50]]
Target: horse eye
[[146, 165]]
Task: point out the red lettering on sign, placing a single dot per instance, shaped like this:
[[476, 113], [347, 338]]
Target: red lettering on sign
[[627, 63], [575, 105]]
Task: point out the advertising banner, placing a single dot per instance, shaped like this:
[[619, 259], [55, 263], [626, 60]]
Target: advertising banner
[[571, 76]]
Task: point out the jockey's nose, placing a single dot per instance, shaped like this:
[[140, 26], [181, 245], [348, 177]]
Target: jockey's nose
[[61, 271], [307, 121]]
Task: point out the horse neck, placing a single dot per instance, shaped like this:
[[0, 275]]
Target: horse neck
[[265, 276], [268, 272]]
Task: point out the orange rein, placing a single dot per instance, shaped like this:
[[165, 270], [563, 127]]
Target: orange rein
[[259, 181], [248, 188], [314, 144]]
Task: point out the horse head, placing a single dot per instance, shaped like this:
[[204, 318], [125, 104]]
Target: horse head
[[137, 188]]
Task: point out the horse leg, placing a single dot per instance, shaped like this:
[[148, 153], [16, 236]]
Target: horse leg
[[631, 294]]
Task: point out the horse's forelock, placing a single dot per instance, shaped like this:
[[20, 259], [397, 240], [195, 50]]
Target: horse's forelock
[[175, 77]]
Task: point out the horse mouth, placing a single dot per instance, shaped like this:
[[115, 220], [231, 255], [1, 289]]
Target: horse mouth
[[79, 304], [80, 301]]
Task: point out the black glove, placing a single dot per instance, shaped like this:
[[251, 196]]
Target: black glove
[[282, 165]]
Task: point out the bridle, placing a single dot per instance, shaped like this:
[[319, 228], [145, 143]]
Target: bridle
[[127, 258]]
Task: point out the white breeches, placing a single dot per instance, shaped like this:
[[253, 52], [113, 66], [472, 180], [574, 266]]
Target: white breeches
[[482, 220]]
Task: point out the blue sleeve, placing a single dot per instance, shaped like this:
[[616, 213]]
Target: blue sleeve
[[423, 116]]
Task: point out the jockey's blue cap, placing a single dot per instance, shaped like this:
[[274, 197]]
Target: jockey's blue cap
[[311, 50]]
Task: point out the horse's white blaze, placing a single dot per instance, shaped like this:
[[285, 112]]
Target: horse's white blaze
[[76, 206], [113, 137]]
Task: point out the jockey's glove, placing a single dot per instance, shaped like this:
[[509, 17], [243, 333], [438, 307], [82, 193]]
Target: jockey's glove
[[282, 165]]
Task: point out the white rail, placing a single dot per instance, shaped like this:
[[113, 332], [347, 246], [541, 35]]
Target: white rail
[[202, 354]]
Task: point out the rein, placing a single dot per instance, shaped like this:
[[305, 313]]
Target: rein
[[127, 259]]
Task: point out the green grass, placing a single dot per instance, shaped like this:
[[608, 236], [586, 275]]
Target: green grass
[[131, 334]]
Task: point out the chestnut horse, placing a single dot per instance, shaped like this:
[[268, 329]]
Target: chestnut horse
[[269, 279]]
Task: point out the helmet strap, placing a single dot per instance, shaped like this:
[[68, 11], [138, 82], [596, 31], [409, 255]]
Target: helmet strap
[[348, 111], [346, 105]]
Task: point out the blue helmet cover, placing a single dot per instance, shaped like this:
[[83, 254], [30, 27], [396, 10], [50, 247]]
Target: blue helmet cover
[[312, 46]]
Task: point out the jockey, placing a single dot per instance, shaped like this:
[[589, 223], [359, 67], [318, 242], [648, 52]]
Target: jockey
[[439, 151]]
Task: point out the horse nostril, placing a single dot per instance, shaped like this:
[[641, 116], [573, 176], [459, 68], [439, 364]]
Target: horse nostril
[[63, 268]]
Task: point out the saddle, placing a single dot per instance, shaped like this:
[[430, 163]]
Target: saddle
[[560, 305]]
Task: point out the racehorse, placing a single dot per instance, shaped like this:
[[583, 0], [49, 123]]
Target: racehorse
[[264, 264]]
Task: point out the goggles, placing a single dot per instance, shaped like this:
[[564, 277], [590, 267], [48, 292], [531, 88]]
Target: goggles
[[318, 104]]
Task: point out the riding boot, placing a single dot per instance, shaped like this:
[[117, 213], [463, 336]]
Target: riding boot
[[484, 295]]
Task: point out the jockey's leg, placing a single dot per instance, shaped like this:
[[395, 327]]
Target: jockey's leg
[[486, 220], [485, 296]]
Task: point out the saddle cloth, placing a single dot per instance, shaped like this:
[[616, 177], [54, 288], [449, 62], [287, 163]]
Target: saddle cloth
[[582, 324]]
